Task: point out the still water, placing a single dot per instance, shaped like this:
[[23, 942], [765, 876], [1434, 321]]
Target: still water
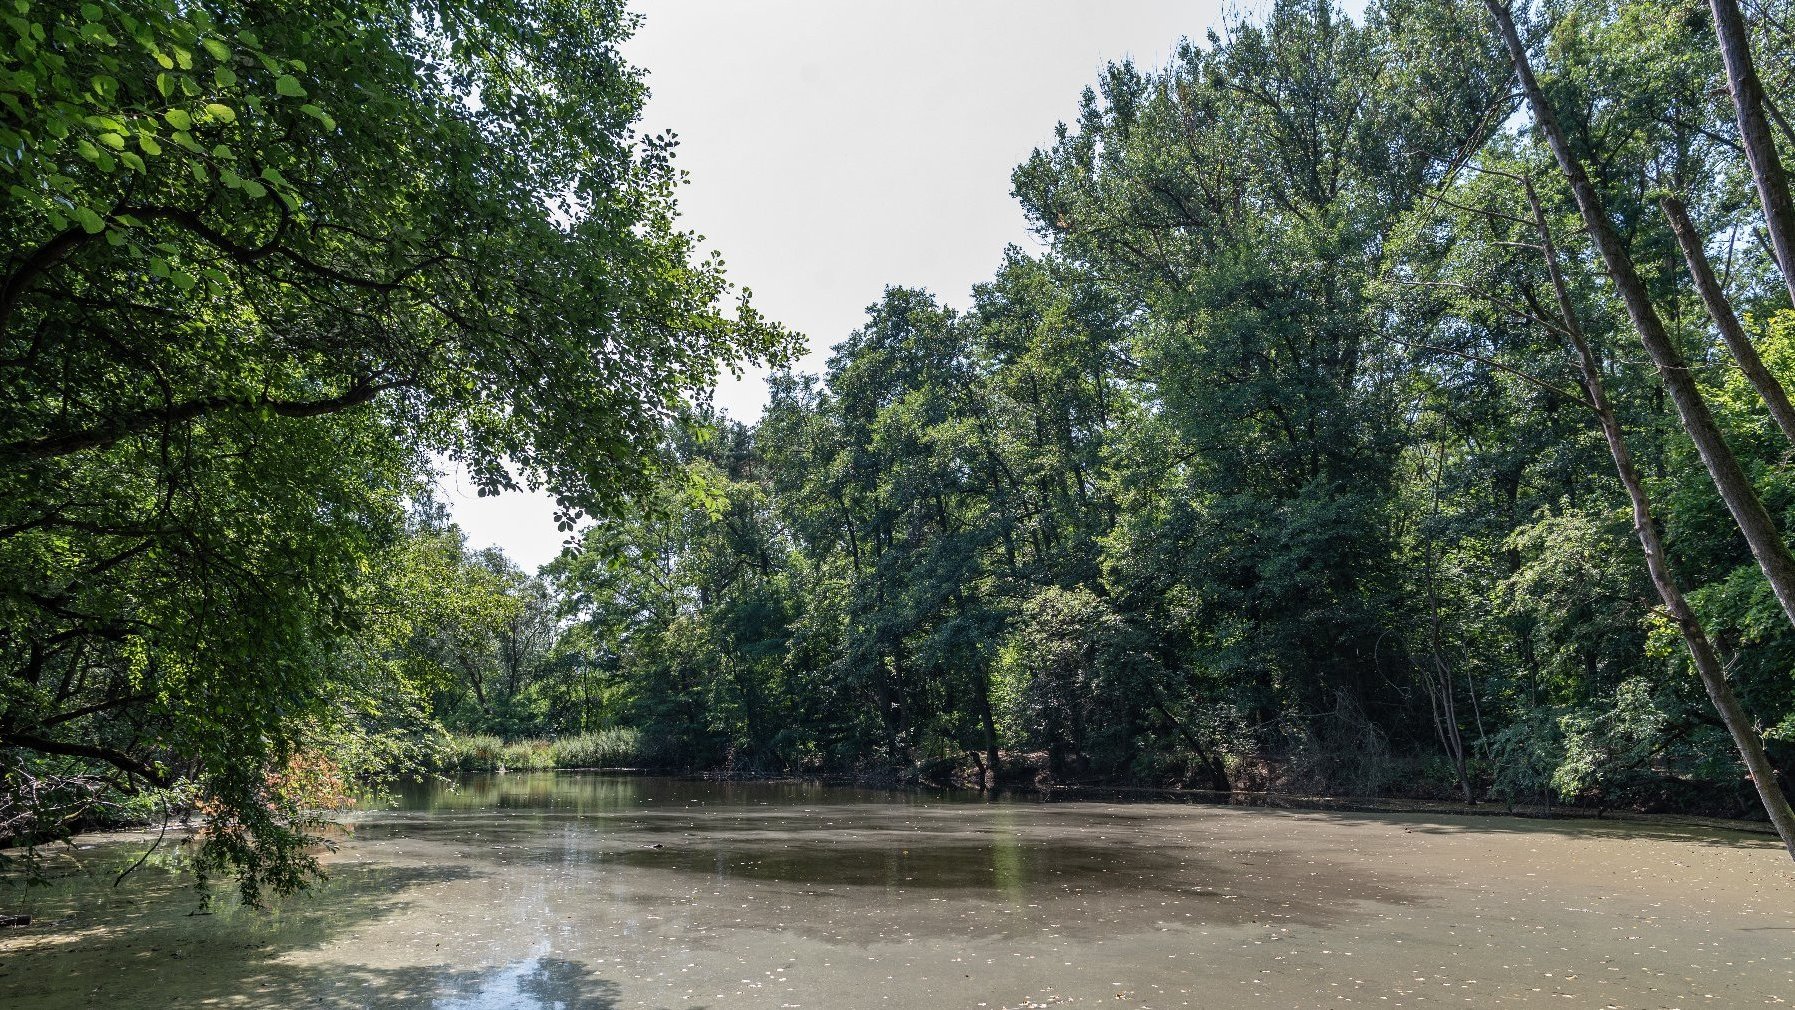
[[594, 892]]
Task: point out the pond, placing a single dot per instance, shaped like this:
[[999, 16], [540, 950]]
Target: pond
[[594, 892]]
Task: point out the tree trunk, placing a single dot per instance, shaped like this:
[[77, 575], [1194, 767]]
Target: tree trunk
[[1729, 478], [1721, 311], [1755, 135], [1701, 650], [992, 765]]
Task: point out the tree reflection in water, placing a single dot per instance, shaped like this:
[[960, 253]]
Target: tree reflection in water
[[538, 983]]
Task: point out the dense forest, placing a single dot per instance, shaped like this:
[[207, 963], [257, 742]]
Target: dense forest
[[1394, 406]]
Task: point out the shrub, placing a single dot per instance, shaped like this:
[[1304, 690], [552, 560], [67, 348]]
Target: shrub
[[526, 755], [471, 754], [607, 748]]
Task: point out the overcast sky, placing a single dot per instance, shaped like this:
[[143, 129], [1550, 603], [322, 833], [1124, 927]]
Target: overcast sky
[[838, 146]]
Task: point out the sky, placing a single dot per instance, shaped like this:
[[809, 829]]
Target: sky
[[839, 146]]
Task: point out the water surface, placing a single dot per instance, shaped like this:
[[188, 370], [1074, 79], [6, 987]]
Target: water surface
[[585, 891]]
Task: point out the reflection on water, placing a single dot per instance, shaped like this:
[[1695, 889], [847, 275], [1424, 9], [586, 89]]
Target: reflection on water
[[595, 892], [797, 833], [554, 891], [538, 983]]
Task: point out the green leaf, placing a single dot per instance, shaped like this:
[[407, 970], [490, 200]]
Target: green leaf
[[223, 113], [89, 221], [289, 86], [320, 115], [179, 119], [219, 50]]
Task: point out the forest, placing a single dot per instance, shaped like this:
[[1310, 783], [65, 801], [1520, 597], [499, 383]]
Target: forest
[[1394, 406]]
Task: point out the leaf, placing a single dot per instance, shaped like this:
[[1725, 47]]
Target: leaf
[[289, 86], [179, 119], [219, 50], [320, 115], [148, 143], [89, 221], [223, 113]]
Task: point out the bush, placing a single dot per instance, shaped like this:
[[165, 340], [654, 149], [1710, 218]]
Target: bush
[[607, 748], [526, 755], [471, 754]]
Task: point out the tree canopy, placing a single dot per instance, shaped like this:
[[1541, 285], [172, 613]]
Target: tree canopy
[[265, 266]]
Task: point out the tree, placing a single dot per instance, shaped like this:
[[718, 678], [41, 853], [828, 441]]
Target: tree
[[260, 260]]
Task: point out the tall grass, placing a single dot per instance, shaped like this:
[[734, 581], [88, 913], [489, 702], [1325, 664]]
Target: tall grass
[[606, 748]]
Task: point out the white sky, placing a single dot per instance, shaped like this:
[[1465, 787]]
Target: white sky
[[838, 146]]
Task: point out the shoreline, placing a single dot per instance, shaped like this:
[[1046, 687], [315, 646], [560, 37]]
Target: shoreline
[[1126, 794]]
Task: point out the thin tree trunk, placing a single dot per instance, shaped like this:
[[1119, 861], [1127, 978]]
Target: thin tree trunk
[[1721, 311], [992, 763], [1729, 478], [1755, 135], [1701, 650], [1440, 694]]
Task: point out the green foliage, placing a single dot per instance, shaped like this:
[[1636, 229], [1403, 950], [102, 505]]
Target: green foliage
[[617, 747], [266, 267], [1270, 471], [1265, 473]]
